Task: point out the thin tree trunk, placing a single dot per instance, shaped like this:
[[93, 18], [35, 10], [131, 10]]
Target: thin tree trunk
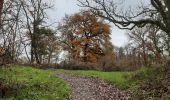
[[145, 58], [49, 57], [26, 53], [1, 7], [85, 53], [32, 50]]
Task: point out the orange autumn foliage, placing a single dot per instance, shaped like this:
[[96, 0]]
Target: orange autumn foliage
[[85, 34]]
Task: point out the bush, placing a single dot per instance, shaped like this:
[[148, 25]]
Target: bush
[[74, 65], [151, 83]]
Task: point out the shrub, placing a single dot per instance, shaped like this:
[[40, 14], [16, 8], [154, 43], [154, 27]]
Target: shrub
[[75, 65], [152, 83]]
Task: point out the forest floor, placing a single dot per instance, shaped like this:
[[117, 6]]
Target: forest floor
[[92, 88]]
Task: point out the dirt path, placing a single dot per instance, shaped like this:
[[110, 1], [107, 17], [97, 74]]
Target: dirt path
[[91, 88]]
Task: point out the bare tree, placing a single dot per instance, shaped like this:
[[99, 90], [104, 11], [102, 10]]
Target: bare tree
[[139, 38], [157, 13], [35, 12], [156, 44], [10, 26], [152, 41]]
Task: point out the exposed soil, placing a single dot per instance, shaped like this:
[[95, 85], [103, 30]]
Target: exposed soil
[[92, 88]]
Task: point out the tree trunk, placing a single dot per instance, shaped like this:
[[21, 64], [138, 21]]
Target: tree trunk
[[1, 7], [85, 52], [49, 57], [34, 43], [34, 54], [36, 57], [32, 50], [144, 54]]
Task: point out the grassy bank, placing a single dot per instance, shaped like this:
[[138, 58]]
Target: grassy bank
[[117, 78], [17, 82]]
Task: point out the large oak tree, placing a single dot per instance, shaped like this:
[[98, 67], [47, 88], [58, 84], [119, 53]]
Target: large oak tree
[[86, 36]]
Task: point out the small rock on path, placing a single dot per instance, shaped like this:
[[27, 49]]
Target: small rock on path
[[92, 88]]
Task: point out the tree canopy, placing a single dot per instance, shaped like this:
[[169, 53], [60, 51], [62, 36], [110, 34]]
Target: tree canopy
[[86, 35]]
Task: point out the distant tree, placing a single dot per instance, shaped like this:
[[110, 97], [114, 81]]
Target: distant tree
[[11, 24], [155, 45], [35, 14], [47, 44], [121, 52], [86, 35], [107, 62], [150, 42], [138, 36], [67, 37]]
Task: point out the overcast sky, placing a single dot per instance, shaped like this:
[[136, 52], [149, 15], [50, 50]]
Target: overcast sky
[[62, 7]]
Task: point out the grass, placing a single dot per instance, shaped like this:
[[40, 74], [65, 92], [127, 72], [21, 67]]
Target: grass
[[36, 84], [117, 78], [27, 83], [32, 84]]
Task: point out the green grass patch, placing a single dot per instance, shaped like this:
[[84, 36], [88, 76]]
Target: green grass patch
[[117, 78], [32, 84]]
